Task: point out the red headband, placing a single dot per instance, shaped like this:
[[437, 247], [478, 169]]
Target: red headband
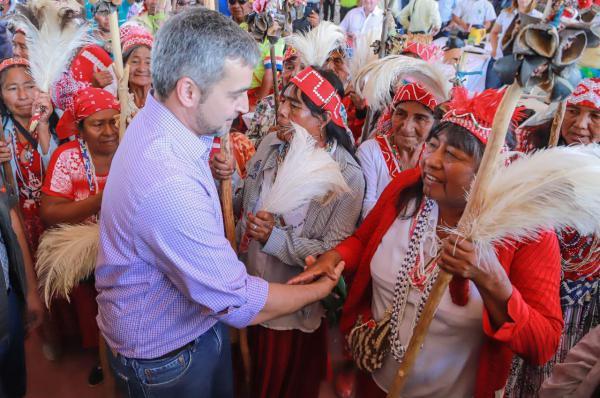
[[427, 52], [586, 94], [133, 36], [86, 102], [9, 62], [321, 92], [476, 114]]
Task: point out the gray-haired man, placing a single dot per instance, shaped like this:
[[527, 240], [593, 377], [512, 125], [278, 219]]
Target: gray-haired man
[[167, 279]]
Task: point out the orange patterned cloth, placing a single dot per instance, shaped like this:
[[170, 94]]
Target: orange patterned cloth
[[243, 150]]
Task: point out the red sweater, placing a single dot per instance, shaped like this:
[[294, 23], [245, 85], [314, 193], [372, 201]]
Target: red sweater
[[534, 307]]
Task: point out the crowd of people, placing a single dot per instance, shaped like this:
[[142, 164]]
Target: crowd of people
[[216, 97]]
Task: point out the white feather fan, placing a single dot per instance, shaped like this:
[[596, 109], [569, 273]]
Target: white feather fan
[[65, 256], [54, 32], [307, 173], [315, 45], [378, 79], [549, 189], [363, 52]]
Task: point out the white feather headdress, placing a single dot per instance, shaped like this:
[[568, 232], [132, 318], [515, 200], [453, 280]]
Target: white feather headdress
[[65, 256], [549, 189], [315, 45], [377, 81], [54, 31], [363, 52], [307, 173]]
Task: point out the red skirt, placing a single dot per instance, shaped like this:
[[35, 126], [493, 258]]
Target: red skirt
[[287, 363], [366, 386]]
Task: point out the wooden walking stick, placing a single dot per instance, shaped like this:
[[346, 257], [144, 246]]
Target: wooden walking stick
[[229, 223], [489, 161], [557, 124], [382, 46]]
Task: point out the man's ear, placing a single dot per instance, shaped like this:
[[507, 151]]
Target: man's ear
[[188, 93]]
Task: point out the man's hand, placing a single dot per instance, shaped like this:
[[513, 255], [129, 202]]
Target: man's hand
[[5, 152], [221, 166]]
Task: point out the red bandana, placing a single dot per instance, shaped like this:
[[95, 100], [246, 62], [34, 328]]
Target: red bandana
[[86, 102], [133, 36], [427, 52], [476, 114], [9, 62], [586, 94], [321, 92], [404, 93], [88, 61]]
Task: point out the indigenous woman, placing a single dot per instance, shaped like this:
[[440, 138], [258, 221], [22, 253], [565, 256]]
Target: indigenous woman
[[72, 191], [19, 44], [580, 285], [28, 153], [398, 144], [496, 306], [290, 353], [136, 43]]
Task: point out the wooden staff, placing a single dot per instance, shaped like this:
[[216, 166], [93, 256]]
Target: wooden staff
[[274, 72], [557, 124], [384, 35], [121, 74], [489, 161], [229, 223]]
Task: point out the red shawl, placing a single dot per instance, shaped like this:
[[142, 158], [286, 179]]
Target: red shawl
[[533, 269]]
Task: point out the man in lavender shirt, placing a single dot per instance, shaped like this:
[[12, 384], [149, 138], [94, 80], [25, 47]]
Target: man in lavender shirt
[[168, 282]]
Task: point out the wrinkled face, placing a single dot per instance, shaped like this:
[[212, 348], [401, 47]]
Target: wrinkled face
[[337, 63], [101, 132], [447, 172], [291, 67], [18, 91], [581, 125], [152, 6], [226, 100], [239, 9], [411, 123], [452, 56], [102, 20], [369, 5], [19, 46], [293, 109], [139, 67]]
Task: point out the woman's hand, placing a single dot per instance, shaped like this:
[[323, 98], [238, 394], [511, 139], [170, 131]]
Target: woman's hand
[[5, 153], [42, 107], [325, 265], [259, 226], [102, 79], [221, 166]]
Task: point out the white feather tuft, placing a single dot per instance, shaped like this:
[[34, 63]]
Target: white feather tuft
[[53, 43], [307, 173], [65, 256], [315, 45], [549, 189], [377, 80], [363, 53]]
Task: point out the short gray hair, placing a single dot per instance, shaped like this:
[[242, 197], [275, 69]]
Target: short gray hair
[[195, 44]]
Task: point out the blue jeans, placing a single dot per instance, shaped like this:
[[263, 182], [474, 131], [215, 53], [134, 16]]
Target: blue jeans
[[13, 380], [203, 369]]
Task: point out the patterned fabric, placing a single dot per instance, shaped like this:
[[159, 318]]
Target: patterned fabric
[[265, 63], [166, 274], [89, 60], [321, 92], [388, 156], [66, 176], [263, 119], [15, 61], [427, 52], [586, 94], [243, 150], [86, 102], [133, 36]]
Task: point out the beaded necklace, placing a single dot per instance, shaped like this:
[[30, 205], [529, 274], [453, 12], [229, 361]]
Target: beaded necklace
[[88, 165], [30, 187]]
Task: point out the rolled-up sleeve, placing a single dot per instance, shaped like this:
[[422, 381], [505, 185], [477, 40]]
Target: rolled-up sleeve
[[180, 231]]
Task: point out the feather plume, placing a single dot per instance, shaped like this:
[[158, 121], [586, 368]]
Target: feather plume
[[315, 45], [549, 189], [377, 80], [54, 32], [307, 173], [65, 256], [363, 52]]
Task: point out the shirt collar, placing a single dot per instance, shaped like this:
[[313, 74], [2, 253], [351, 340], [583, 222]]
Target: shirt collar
[[193, 146]]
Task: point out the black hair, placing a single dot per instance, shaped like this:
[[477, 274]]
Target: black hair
[[332, 130]]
